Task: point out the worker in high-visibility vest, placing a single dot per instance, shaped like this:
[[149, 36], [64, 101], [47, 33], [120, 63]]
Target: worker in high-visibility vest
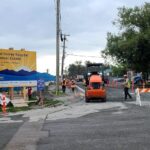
[[73, 85], [127, 86]]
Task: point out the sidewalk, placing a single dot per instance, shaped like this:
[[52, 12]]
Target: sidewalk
[[39, 112]]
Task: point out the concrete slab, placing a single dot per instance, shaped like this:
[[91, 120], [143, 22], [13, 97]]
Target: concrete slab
[[20, 102]]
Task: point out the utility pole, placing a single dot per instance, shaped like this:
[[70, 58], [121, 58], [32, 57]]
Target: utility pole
[[63, 38], [57, 44]]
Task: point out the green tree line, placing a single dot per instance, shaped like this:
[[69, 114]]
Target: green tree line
[[130, 47]]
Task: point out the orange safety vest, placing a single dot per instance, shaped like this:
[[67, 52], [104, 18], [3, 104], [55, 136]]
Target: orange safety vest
[[73, 85]]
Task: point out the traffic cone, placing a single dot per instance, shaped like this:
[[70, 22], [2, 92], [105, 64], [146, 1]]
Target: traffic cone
[[4, 104]]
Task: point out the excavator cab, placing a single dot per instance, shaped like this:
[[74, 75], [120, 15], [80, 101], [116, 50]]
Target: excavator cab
[[95, 88]]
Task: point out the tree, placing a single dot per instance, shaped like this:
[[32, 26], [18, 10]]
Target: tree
[[76, 69], [119, 70], [131, 46]]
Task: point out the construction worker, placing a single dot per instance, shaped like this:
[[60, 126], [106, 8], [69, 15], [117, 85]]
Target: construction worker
[[29, 93], [73, 85], [127, 85], [64, 86]]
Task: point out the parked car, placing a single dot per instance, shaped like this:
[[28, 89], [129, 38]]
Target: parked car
[[138, 80], [118, 80]]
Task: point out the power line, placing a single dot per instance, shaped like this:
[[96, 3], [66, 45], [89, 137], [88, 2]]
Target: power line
[[83, 55]]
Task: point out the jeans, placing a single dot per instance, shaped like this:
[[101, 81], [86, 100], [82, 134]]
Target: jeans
[[126, 92]]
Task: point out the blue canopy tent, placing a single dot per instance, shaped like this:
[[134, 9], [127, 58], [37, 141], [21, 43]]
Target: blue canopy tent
[[10, 75]]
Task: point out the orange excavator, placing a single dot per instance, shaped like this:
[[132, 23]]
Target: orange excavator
[[94, 78]]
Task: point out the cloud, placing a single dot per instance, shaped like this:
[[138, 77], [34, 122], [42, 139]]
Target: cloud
[[47, 62], [31, 24]]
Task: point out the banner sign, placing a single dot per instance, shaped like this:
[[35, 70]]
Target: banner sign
[[17, 60], [17, 65]]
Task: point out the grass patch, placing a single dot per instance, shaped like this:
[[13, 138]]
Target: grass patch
[[47, 102], [60, 93], [16, 109], [32, 98], [51, 102]]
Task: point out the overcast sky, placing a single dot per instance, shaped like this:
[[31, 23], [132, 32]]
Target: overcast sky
[[31, 24]]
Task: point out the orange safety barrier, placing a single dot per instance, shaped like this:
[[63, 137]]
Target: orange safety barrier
[[138, 91], [114, 84], [144, 90], [3, 97]]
